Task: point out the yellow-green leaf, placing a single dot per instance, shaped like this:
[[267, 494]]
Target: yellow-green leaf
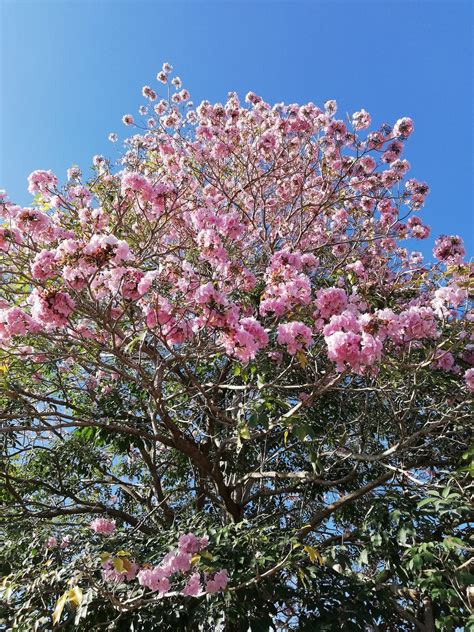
[[104, 556], [58, 610], [313, 554], [244, 432], [302, 576], [118, 564], [75, 596], [301, 355]]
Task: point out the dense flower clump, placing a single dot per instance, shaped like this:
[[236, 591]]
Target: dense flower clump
[[102, 525], [311, 248], [159, 578]]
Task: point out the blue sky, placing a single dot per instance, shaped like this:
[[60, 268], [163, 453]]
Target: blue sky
[[71, 68]]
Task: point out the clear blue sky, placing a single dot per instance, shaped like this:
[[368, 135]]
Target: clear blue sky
[[71, 68]]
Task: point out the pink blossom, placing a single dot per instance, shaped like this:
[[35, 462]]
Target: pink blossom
[[51, 308], [444, 360], [445, 296], [104, 248], [330, 301], [193, 586], [469, 378], [9, 236], [32, 222], [349, 344], [79, 194], [17, 322], [44, 265], [149, 93], [344, 347], [393, 151], [73, 173], [295, 335], [418, 323], [190, 543], [361, 119], [280, 298], [135, 183], [375, 140], [418, 229], [42, 182], [403, 127], [154, 579], [181, 561], [218, 582], [449, 249], [346, 321], [246, 339], [162, 77], [211, 245], [414, 187], [103, 526], [356, 350]]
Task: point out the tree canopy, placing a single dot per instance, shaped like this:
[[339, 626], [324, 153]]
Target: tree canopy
[[231, 399]]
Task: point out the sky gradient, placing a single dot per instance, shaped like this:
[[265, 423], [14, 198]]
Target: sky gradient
[[70, 69]]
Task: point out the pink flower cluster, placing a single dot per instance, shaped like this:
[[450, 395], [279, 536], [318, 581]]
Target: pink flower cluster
[[14, 321], [103, 526], [331, 301], [32, 222], [287, 285], [295, 335], [159, 578], [403, 127], [415, 323], [42, 182], [469, 378], [361, 120], [217, 582], [245, 339], [443, 360], [51, 308], [449, 249], [349, 345], [52, 542]]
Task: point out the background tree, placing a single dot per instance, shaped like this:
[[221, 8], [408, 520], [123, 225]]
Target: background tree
[[230, 399]]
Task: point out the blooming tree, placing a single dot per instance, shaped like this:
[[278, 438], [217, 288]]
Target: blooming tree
[[230, 398]]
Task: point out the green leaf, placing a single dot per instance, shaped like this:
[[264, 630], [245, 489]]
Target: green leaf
[[426, 501]]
